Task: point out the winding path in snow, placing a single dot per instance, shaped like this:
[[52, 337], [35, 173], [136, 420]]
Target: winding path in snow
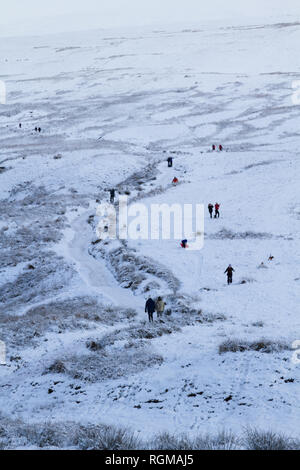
[[94, 273]]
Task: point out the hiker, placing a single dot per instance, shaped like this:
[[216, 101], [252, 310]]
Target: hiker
[[150, 308], [175, 181], [213, 148], [271, 258], [170, 162], [36, 129], [217, 210], [210, 210], [220, 148], [229, 272], [160, 307], [39, 129], [20, 126], [112, 195], [184, 244]]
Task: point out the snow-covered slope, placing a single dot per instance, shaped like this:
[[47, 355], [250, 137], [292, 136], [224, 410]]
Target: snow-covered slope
[[112, 107]]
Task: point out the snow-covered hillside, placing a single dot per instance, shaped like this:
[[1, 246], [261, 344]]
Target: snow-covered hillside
[[112, 106]]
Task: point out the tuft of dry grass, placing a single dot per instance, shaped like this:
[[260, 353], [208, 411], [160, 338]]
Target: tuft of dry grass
[[16, 434], [263, 346]]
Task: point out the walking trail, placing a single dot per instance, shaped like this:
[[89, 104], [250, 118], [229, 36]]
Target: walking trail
[[94, 272]]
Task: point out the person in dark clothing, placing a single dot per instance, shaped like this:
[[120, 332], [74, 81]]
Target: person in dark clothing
[[213, 148], [217, 210], [39, 129], [220, 148], [36, 129], [184, 244], [210, 210], [229, 271], [20, 126], [150, 308], [170, 162], [112, 195]]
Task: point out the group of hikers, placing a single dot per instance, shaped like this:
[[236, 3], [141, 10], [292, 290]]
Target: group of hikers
[[175, 180], [214, 212], [215, 148], [37, 129], [211, 208], [159, 306], [152, 306]]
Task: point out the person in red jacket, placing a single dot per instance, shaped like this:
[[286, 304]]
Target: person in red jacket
[[175, 181], [217, 210]]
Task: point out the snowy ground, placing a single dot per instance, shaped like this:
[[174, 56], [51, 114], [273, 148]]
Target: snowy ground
[[112, 106]]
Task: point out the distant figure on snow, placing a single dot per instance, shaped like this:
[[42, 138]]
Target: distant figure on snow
[[184, 244], [160, 307], [229, 271], [217, 210], [112, 195], [220, 148], [262, 266], [150, 308], [210, 210], [20, 126], [271, 258], [39, 129], [170, 162], [175, 181], [213, 148], [36, 129]]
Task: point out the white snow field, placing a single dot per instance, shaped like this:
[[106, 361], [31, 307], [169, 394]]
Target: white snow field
[[112, 106]]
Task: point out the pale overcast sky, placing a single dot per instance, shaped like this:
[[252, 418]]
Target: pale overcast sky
[[37, 16]]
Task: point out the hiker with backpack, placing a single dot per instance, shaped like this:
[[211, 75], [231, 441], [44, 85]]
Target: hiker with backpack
[[175, 181], [210, 210], [217, 210], [160, 307], [229, 271], [150, 308]]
